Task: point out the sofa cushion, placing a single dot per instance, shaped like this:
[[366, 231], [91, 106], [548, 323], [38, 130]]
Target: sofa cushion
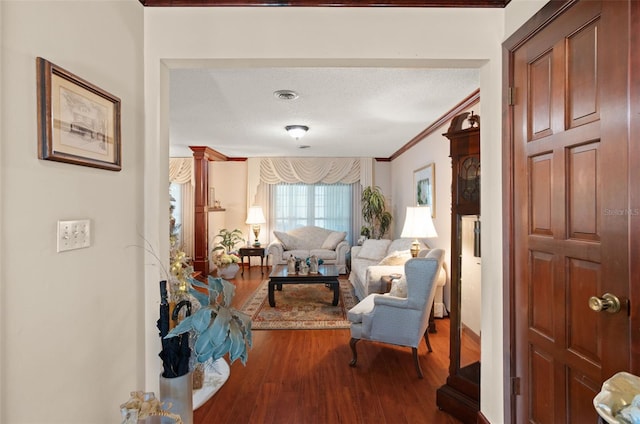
[[399, 287], [331, 242], [311, 236], [396, 258], [298, 253], [289, 241], [374, 249], [325, 254]]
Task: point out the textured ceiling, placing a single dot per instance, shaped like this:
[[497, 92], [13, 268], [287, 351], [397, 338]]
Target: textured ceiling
[[350, 111]]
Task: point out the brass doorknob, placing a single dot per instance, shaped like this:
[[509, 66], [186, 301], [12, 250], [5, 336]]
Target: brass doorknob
[[608, 302]]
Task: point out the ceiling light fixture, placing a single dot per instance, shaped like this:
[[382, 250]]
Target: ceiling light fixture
[[297, 131], [285, 94]]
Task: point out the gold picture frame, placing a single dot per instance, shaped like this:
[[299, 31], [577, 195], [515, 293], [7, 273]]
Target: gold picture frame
[[78, 122], [424, 187]]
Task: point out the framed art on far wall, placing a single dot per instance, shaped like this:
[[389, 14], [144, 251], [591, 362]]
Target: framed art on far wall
[[424, 187], [78, 122]]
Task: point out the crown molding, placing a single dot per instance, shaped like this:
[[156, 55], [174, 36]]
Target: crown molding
[[327, 3]]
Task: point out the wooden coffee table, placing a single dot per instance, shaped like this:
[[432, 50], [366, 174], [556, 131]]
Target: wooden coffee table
[[327, 274]]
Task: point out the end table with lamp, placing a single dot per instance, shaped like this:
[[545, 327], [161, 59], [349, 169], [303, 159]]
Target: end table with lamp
[[255, 217]]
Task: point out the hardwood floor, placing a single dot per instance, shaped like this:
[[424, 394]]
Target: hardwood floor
[[304, 377]]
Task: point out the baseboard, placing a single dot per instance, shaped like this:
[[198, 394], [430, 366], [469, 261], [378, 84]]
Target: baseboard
[[471, 334]]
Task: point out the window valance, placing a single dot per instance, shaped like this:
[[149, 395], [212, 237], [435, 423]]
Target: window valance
[[180, 170], [310, 170]]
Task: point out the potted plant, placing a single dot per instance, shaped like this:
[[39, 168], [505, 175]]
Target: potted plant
[[217, 328], [223, 255], [374, 213]]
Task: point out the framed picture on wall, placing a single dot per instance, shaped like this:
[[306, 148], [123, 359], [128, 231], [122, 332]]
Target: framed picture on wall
[[424, 187], [78, 122]]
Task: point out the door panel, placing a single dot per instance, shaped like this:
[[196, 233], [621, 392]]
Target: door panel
[[540, 188], [582, 182], [582, 73], [582, 282], [570, 167], [540, 95]]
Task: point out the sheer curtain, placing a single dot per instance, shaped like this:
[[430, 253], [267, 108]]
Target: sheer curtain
[[264, 173], [328, 206], [181, 173]]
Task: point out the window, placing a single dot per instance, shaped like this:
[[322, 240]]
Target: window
[[323, 205], [175, 197]]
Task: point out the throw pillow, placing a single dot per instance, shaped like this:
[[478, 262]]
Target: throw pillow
[[399, 287], [332, 241], [288, 241], [396, 258], [374, 249]]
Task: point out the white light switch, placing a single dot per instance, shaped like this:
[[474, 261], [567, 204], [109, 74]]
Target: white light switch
[[74, 234]]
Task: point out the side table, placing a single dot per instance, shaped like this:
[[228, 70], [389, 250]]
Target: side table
[[386, 282], [253, 251]]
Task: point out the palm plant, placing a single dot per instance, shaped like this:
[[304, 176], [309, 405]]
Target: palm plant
[[229, 240], [374, 213]]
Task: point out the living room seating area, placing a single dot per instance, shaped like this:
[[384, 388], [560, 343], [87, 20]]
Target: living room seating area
[[376, 259], [303, 242]]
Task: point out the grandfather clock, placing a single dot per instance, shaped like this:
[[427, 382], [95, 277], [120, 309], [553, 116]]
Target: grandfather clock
[[460, 396]]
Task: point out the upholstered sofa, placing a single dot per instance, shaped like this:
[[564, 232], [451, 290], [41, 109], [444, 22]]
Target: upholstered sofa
[[378, 258], [302, 242]]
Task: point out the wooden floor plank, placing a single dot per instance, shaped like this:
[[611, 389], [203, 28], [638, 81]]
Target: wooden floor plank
[[304, 377]]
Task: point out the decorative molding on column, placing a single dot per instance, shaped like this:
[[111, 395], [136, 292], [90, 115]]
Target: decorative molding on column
[[202, 155]]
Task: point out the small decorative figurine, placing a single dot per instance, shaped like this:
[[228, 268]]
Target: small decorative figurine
[[291, 265], [304, 268]]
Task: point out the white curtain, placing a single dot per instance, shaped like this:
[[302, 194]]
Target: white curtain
[[187, 218], [264, 172], [356, 218], [181, 172]]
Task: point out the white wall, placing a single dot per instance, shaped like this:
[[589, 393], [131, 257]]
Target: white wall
[[470, 273], [518, 12], [230, 181], [72, 326]]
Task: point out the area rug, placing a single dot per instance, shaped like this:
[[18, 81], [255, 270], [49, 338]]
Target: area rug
[[300, 307]]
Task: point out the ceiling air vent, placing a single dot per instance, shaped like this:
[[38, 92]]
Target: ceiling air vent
[[285, 94]]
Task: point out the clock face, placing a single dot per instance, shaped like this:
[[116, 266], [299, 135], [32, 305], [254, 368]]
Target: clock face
[[469, 179]]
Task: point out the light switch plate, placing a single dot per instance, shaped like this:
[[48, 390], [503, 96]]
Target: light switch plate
[[74, 234]]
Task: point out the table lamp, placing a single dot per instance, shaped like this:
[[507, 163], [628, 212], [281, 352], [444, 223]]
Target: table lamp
[[255, 218], [417, 225]]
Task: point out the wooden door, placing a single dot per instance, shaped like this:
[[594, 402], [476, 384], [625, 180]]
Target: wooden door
[[570, 211]]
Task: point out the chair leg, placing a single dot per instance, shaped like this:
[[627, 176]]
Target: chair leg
[[352, 344], [426, 339], [415, 360]]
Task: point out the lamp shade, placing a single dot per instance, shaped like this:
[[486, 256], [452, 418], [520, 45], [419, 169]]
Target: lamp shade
[[255, 215], [418, 223]]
